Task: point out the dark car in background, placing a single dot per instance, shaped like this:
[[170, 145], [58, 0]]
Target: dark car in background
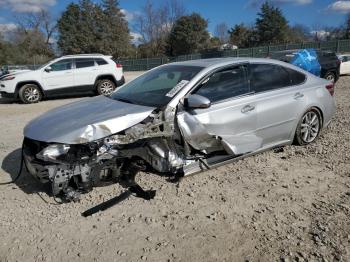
[[324, 64]]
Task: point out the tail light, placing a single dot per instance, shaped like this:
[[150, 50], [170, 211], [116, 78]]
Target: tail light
[[339, 62], [119, 65], [330, 88]]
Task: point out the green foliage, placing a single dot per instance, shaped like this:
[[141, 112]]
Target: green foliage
[[241, 36], [188, 35], [90, 28], [271, 25]]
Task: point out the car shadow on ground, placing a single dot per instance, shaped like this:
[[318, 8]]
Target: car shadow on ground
[[7, 100], [26, 182]]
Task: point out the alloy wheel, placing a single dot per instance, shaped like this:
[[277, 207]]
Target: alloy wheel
[[31, 94], [106, 88], [310, 126]]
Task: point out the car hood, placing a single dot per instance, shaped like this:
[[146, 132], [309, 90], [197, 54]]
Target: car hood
[[19, 71], [86, 121]]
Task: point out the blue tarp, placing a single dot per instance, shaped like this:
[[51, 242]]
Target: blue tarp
[[307, 60]]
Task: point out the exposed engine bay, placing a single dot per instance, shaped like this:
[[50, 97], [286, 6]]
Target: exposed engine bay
[[157, 142]]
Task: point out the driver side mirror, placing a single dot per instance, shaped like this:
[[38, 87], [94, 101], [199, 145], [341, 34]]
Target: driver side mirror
[[196, 102], [48, 69]]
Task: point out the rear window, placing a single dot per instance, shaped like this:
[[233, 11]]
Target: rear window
[[326, 56], [100, 61], [84, 62], [266, 77], [296, 78]]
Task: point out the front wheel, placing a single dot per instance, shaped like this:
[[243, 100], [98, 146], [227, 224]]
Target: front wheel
[[309, 127], [105, 87], [30, 93]]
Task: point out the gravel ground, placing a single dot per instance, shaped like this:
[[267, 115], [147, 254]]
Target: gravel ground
[[291, 204]]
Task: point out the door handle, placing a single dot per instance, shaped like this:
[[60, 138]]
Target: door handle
[[298, 95], [67, 73], [247, 109]]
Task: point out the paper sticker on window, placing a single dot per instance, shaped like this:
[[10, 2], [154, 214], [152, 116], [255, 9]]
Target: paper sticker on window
[[176, 88]]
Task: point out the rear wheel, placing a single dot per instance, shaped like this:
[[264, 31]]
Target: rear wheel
[[105, 87], [330, 76], [309, 127], [30, 93]]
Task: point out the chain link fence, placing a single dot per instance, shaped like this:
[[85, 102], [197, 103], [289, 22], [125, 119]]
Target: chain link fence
[[339, 46], [129, 64]]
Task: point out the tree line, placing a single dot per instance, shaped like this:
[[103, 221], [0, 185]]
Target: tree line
[[165, 30]]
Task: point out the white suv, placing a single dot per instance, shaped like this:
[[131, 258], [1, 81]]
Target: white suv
[[66, 75]]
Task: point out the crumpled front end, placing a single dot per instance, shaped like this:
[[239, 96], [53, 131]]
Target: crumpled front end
[[75, 168]]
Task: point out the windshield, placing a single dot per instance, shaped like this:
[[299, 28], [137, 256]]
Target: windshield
[[156, 88], [44, 65]]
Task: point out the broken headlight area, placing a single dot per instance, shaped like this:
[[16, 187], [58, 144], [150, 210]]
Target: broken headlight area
[[75, 169], [53, 152]]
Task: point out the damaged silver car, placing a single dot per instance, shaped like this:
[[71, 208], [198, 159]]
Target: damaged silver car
[[179, 118]]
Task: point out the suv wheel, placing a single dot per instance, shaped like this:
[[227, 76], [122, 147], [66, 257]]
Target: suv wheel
[[330, 76], [30, 93], [309, 127], [105, 87]]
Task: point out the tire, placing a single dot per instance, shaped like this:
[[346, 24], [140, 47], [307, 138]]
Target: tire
[[105, 87], [330, 76], [309, 127], [30, 94]]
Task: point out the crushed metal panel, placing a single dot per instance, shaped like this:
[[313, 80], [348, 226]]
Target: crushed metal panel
[[197, 135]]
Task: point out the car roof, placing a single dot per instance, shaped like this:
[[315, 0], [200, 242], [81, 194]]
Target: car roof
[[217, 62], [84, 55]]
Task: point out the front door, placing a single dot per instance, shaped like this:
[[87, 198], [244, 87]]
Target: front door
[[230, 120], [60, 76]]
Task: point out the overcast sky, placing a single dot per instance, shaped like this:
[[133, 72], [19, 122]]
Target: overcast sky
[[313, 13]]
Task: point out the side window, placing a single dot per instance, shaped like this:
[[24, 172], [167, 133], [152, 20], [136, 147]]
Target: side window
[[266, 77], [84, 62], [64, 64], [225, 84], [296, 78], [100, 61]]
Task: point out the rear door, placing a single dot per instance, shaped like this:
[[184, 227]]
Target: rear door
[[86, 71], [279, 96], [231, 118], [60, 76]]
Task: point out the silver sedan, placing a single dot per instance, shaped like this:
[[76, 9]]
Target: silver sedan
[[179, 118]]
